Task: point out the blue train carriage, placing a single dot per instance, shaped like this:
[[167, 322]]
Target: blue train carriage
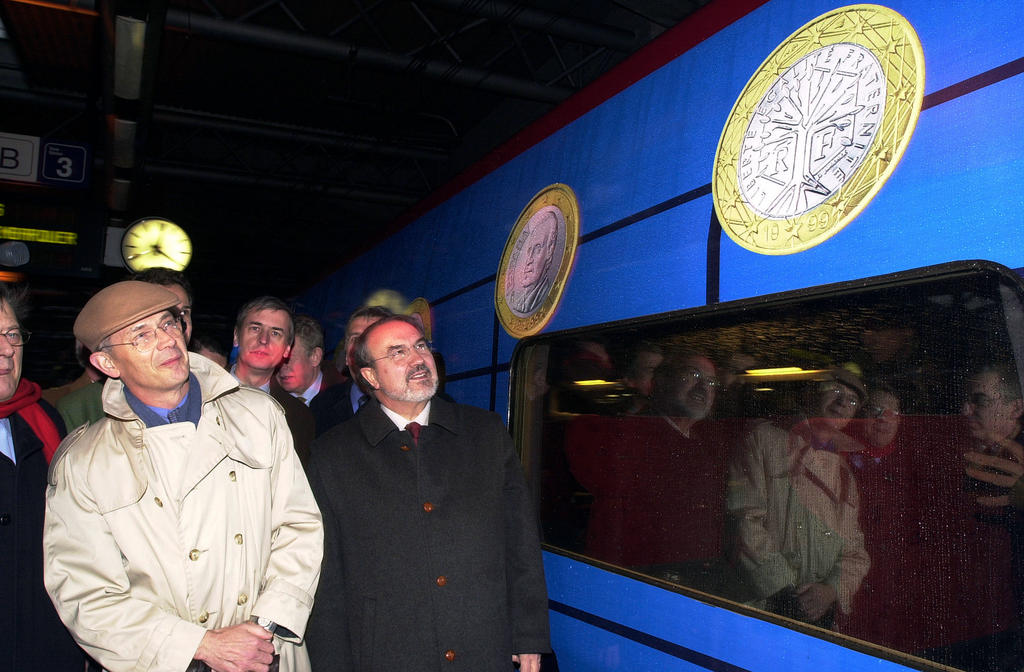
[[676, 189], [697, 471]]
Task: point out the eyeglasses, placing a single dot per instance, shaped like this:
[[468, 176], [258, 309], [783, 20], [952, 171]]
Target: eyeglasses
[[17, 337], [696, 375], [982, 400], [848, 398], [273, 333], [880, 412], [146, 340], [399, 353]]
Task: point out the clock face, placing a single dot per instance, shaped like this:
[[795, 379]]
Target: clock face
[[156, 243]]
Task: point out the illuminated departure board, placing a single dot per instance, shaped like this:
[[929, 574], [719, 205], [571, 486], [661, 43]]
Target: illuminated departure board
[[62, 239]]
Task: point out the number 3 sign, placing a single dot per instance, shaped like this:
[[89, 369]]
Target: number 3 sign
[[64, 164]]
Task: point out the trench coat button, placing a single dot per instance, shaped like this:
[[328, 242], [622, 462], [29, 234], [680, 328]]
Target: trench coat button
[[232, 476], [243, 598], [218, 420], [193, 554], [5, 519], [405, 448], [203, 616], [428, 507], [158, 502], [442, 580], [238, 539], [449, 655]]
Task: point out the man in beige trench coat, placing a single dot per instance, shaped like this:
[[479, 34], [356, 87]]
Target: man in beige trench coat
[[182, 522]]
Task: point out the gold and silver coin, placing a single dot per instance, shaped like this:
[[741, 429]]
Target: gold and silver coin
[[818, 129], [536, 261]]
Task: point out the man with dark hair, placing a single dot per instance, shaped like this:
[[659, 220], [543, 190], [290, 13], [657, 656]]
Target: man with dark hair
[[180, 529], [300, 373], [32, 639], [208, 346], [177, 284], [339, 403], [994, 407], [89, 375], [641, 516], [431, 548], [264, 333]]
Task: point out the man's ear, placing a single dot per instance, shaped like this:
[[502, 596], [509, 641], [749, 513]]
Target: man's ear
[[234, 338], [1018, 407], [287, 353], [316, 357], [102, 361], [370, 376]]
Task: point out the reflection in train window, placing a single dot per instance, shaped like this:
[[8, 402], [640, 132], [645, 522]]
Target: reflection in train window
[[800, 456]]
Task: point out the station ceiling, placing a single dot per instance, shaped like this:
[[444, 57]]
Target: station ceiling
[[287, 136]]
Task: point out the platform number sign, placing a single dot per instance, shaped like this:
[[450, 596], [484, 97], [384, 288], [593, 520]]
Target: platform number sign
[[64, 164]]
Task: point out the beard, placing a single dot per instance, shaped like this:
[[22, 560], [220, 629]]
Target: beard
[[421, 392]]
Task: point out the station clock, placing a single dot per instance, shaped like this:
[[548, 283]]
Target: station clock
[[154, 242]]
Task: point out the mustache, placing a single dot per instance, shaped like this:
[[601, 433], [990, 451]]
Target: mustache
[[421, 367]]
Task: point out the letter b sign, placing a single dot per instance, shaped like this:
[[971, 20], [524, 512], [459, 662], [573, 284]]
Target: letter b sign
[[18, 157]]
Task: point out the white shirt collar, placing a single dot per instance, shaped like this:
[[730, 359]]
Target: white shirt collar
[[400, 422], [7, 440], [265, 386], [313, 390]]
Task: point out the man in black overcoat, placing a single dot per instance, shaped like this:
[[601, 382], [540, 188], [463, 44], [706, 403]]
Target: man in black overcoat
[[432, 559], [32, 638], [338, 403]]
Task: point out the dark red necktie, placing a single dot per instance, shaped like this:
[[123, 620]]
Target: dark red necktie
[[414, 429]]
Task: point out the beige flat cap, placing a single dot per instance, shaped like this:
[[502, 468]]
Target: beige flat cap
[[115, 307]]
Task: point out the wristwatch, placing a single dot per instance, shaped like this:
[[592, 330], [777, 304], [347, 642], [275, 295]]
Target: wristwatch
[[265, 623]]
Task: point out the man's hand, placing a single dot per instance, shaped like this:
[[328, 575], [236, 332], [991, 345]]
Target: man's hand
[[528, 662], [815, 600], [820, 433], [239, 648], [1000, 471]]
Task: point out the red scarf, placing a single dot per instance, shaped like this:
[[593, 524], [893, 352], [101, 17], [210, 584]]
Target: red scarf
[[24, 403]]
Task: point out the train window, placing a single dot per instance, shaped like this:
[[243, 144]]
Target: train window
[[802, 455]]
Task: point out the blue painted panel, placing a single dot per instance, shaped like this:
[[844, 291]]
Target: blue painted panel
[[580, 646], [655, 265], [506, 345], [464, 329], [685, 622], [501, 395], [474, 391]]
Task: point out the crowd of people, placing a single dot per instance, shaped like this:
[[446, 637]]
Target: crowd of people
[[173, 510], [180, 507], [831, 506]]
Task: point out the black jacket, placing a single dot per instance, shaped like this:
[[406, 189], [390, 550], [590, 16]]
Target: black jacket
[[431, 551], [32, 638], [332, 406]]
